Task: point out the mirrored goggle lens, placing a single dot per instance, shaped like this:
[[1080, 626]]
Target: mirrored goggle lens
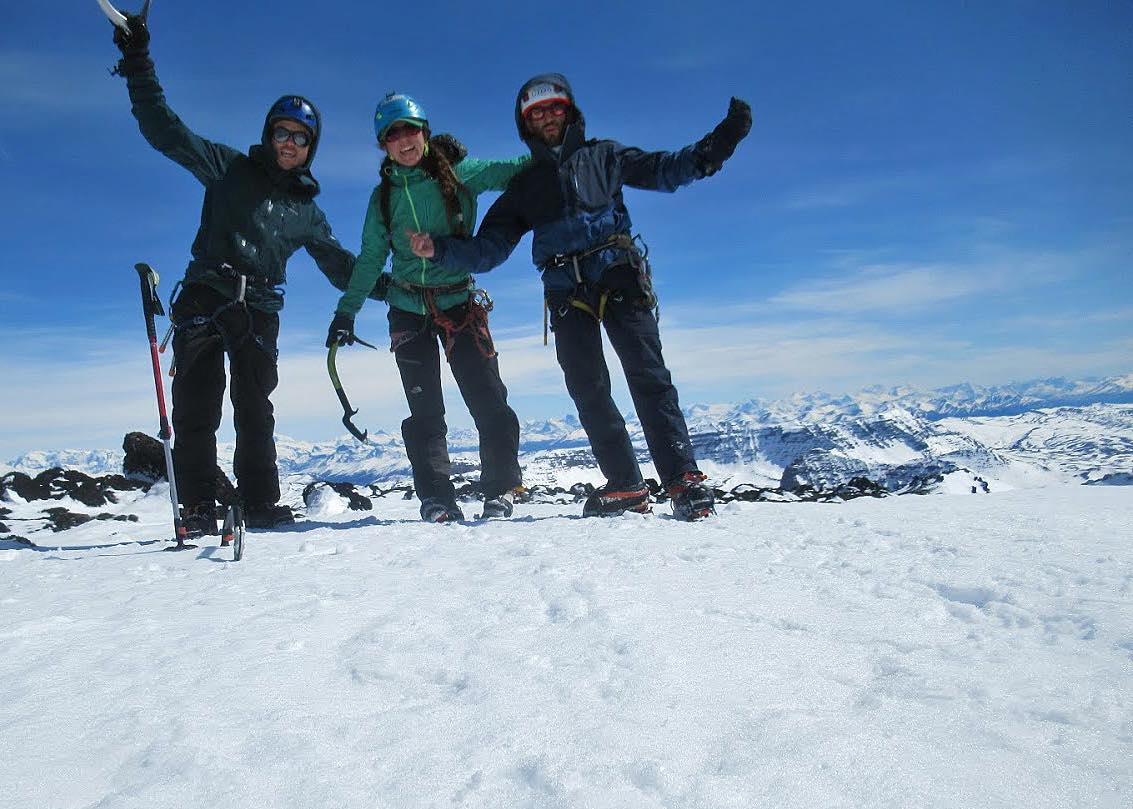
[[282, 134], [402, 131], [539, 113]]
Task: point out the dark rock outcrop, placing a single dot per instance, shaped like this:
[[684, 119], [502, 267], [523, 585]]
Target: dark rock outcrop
[[56, 483], [145, 459]]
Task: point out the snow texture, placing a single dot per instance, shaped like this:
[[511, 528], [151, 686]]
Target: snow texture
[[899, 652]]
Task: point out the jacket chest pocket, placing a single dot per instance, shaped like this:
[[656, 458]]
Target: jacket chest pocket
[[589, 183]]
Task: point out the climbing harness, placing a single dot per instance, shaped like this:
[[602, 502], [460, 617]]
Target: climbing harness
[[231, 344], [593, 300], [475, 318]]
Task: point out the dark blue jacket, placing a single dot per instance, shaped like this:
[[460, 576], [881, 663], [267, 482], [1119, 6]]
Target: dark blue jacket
[[572, 201]]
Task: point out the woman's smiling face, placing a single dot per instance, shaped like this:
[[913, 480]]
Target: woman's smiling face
[[405, 144]]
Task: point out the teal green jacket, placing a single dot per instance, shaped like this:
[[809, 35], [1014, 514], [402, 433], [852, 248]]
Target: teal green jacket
[[416, 203]]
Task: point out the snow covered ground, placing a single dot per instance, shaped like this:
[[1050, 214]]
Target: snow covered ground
[[940, 651]]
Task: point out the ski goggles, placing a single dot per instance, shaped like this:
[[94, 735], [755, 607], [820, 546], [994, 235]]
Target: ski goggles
[[299, 137], [400, 130], [556, 109]]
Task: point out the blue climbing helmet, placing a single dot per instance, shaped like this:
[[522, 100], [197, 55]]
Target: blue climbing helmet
[[398, 107], [301, 111]]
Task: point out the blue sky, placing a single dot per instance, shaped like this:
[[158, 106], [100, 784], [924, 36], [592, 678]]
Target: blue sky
[[932, 192]]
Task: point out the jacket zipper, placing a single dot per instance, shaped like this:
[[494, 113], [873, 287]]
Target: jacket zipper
[[417, 225]]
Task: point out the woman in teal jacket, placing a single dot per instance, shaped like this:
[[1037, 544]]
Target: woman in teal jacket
[[428, 185]]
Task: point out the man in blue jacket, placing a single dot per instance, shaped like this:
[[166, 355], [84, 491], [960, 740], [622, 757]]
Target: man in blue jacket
[[258, 210], [595, 275]]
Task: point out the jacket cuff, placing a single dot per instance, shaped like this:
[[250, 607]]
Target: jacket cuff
[[134, 64]]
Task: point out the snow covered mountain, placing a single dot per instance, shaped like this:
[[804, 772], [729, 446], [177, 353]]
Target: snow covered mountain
[[961, 438]]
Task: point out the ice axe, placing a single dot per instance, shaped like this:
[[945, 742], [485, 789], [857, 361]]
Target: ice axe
[[118, 18], [348, 412]]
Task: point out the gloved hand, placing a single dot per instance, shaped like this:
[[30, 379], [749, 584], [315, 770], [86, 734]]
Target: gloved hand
[[341, 331], [136, 43], [381, 287], [719, 144], [453, 150]]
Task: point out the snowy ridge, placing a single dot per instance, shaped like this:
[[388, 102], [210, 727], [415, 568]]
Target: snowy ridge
[[963, 438]]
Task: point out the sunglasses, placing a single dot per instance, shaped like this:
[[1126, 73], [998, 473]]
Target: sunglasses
[[282, 134], [539, 113], [399, 132]]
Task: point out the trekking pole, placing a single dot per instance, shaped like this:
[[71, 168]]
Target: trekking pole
[[151, 305]]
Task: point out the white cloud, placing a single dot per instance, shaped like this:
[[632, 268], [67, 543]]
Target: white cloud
[[898, 288]]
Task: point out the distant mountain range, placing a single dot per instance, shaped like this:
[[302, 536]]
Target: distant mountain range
[[960, 438]]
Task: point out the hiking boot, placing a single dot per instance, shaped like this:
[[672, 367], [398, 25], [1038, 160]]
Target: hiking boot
[[436, 510], [692, 500], [199, 520], [500, 506], [267, 515], [610, 500]]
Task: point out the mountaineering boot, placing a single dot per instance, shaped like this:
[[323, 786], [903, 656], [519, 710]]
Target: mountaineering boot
[[436, 510], [692, 500], [267, 515], [199, 520], [610, 500], [502, 505]]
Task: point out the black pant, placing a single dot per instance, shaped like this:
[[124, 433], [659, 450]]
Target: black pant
[[414, 340], [207, 330], [632, 329]]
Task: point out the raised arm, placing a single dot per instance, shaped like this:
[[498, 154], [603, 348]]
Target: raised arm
[[159, 125], [667, 171]]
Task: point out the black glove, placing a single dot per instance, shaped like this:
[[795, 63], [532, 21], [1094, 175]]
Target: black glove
[[341, 331], [381, 287], [135, 43], [719, 144], [450, 147]]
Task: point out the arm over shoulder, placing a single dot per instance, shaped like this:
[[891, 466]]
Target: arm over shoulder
[[503, 226], [490, 175]]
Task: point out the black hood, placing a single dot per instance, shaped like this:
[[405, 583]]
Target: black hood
[[298, 180], [575, 121], [265, 136]]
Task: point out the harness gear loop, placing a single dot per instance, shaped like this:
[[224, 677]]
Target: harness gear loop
[[638, 259], [230, 344], [476, 317]]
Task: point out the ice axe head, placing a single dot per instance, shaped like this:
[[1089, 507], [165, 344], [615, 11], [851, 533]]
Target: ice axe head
[[118, 18], [354, 431]]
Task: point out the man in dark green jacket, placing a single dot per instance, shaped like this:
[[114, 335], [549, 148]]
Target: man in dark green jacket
[[258, 210]]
